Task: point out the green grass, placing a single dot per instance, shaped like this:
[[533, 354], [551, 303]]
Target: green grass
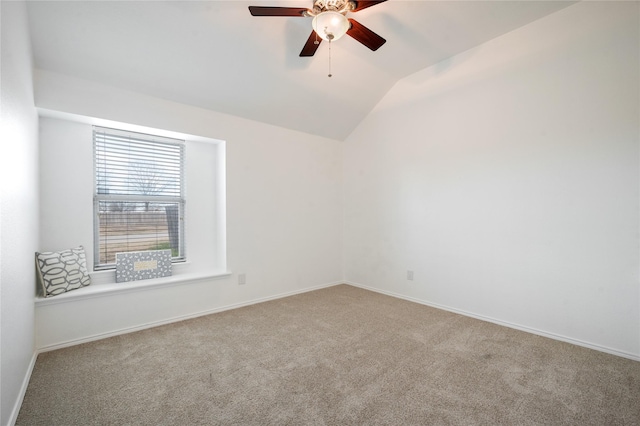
[[166, 246]]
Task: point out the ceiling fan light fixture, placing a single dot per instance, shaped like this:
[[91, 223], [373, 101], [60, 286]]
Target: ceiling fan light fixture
[[330, 25]]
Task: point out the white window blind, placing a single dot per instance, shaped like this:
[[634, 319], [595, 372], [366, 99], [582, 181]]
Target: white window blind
[[139, 194]]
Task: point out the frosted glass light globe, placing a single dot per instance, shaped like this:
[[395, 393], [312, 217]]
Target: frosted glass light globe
[[330, 25]]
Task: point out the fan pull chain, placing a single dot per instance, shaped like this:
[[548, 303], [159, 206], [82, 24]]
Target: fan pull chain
[[329, 57]]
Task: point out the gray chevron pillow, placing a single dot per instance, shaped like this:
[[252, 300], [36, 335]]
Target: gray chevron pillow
[[62, 271]]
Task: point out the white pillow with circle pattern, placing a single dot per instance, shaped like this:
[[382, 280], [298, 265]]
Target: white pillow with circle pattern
[[62, 271]]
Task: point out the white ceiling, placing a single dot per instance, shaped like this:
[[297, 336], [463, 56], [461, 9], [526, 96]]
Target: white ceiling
[[215, 55]]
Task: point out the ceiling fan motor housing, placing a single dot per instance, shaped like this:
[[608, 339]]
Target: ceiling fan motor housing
[[340, 6]]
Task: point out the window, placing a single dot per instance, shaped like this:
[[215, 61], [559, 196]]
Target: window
[[139, 195]]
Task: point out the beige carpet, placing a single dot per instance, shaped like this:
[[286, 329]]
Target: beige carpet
[[336, 356]]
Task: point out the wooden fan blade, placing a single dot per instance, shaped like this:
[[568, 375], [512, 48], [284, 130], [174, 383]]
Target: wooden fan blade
[[365, 4], [276, 11], [365, 36], [312, 44]]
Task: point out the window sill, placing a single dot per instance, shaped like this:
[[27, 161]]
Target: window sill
[[100, 290]]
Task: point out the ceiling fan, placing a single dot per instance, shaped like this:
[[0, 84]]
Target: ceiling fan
[[329, 22]]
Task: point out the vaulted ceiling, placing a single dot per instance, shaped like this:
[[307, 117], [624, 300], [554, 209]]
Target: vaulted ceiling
[[215, 55]]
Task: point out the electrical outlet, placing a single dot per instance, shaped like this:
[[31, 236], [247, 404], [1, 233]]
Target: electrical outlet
[[410, 275], [242, 279]]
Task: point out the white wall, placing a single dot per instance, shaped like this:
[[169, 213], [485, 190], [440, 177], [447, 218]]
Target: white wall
[[284, 211], [507, 179], [18, 208]]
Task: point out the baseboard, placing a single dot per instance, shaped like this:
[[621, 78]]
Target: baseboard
[[181, 318], [537, 332], [23, 390]]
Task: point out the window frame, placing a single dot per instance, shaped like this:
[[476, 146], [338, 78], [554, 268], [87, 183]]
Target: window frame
[[102, 197]]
